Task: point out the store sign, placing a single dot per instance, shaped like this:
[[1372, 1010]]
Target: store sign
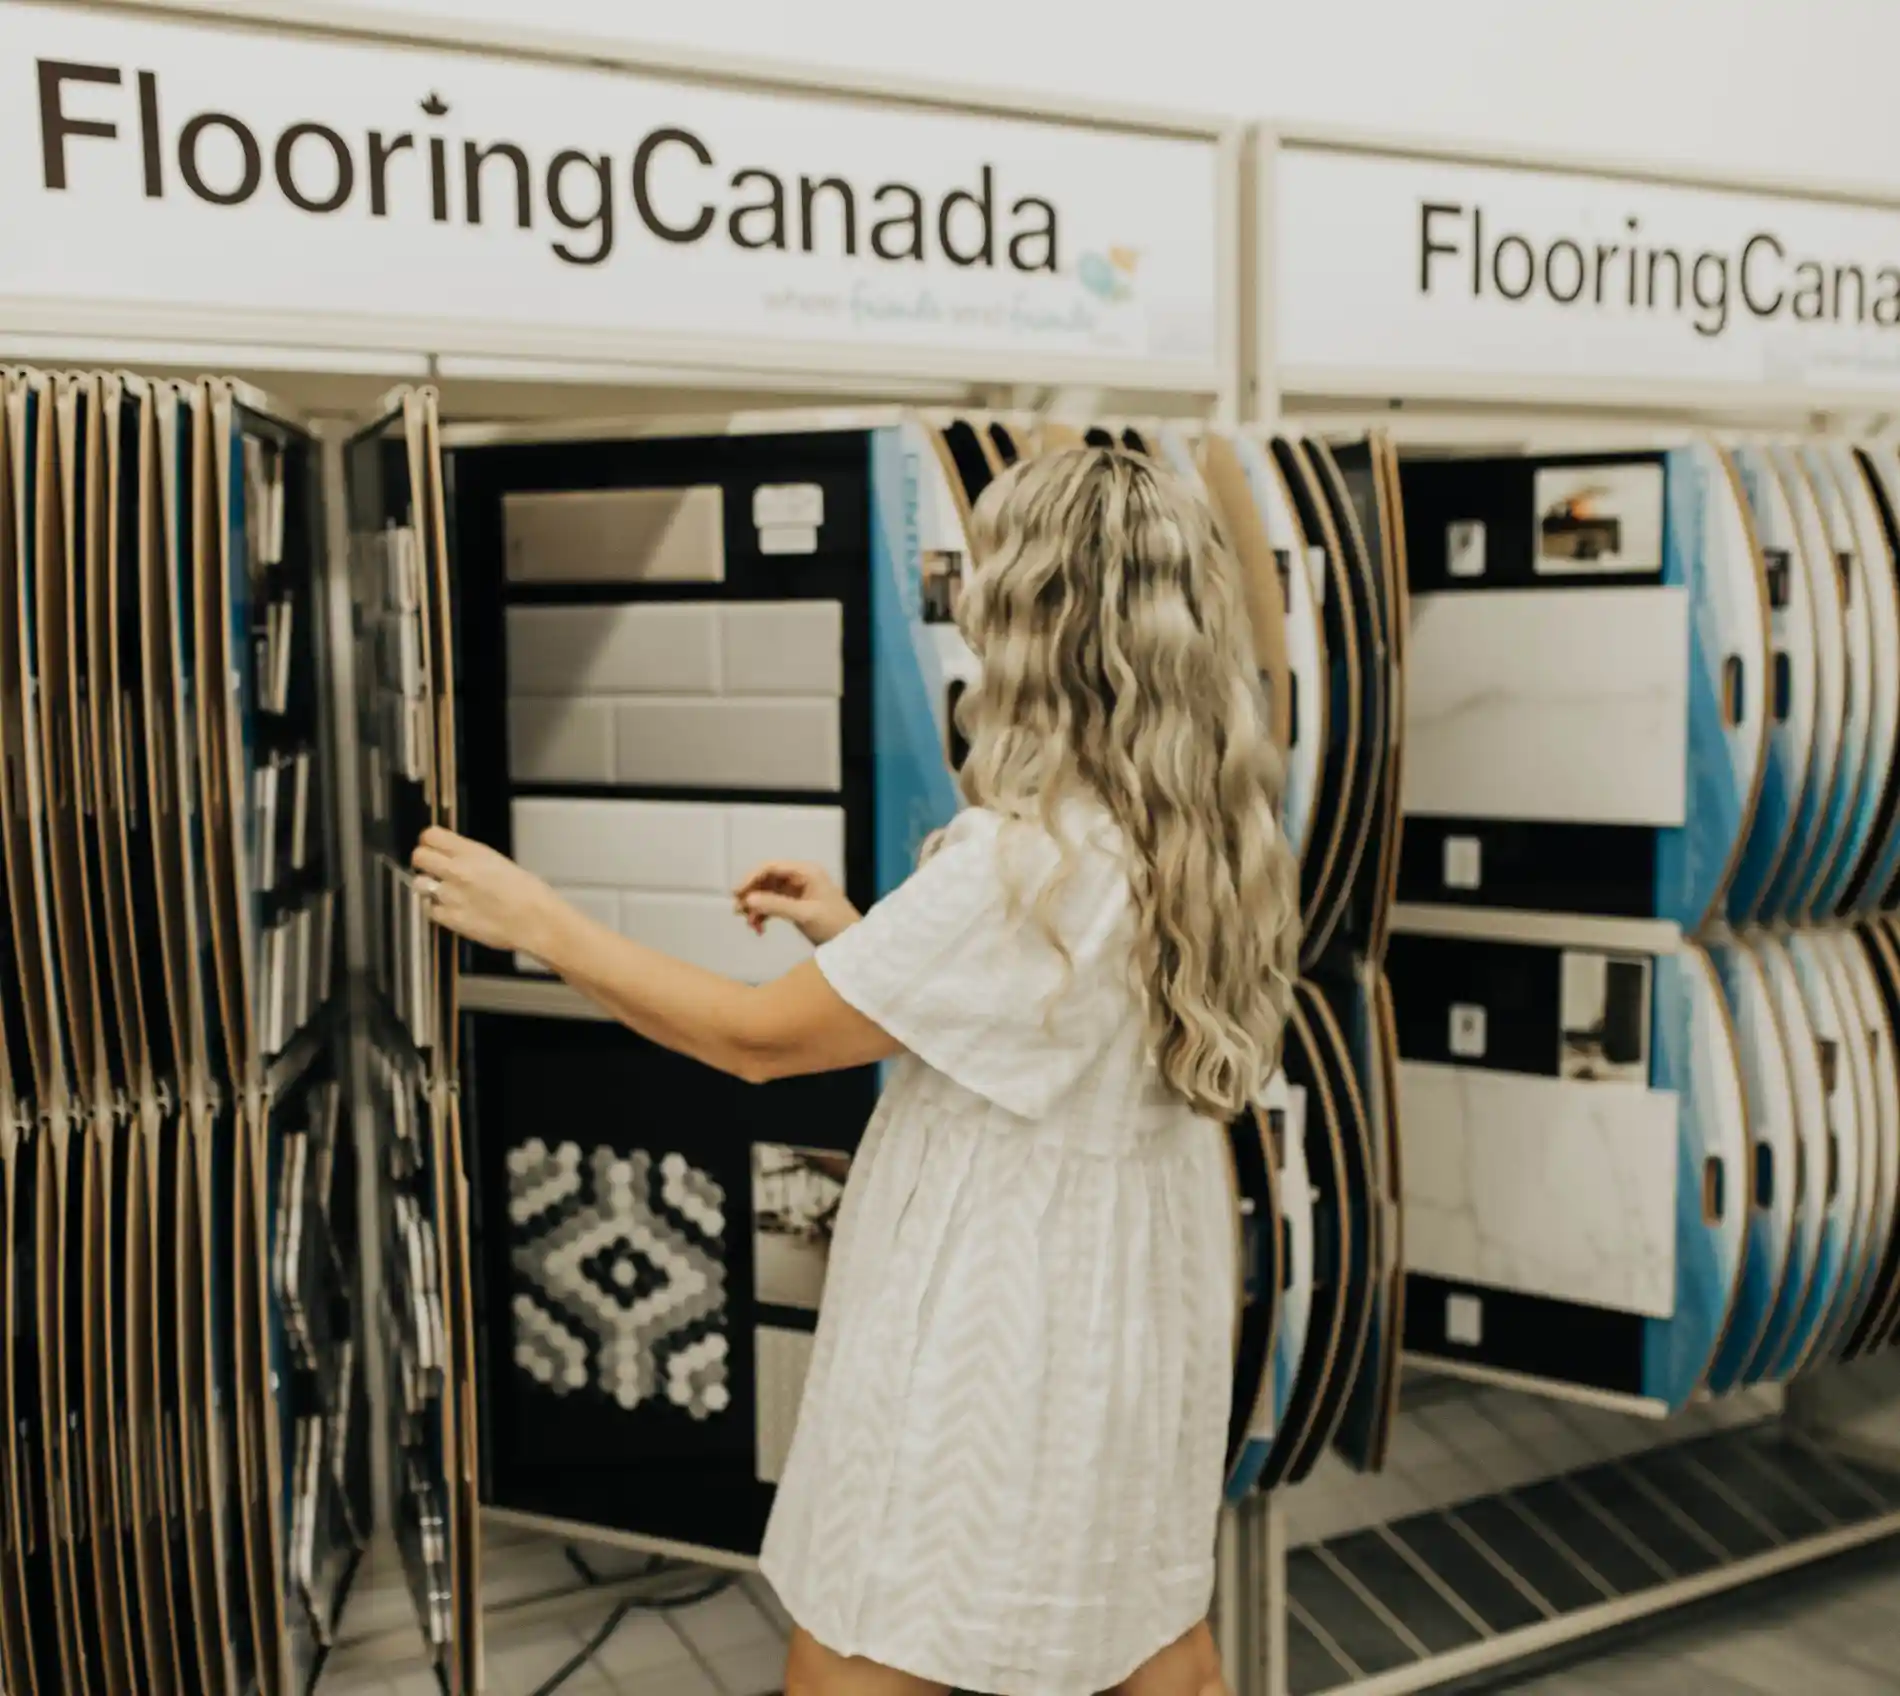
[[166, 164], [1419, 270]]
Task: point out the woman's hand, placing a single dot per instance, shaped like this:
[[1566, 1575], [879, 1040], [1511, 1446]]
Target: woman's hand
[[484, 896], [800, 894]]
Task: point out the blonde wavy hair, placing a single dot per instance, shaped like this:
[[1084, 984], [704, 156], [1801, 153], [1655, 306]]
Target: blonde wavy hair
[[1117, 664]]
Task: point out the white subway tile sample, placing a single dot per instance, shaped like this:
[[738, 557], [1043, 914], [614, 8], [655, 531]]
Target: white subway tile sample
[[622, 844], [552, 741], [663, 872], [667, 649], [757, 834], [783, 648], [616, 536], [679, 694], [705, 930], [755, 744]]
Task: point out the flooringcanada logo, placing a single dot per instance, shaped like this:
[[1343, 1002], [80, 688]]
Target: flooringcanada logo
[[681, 192], [1110, 276]]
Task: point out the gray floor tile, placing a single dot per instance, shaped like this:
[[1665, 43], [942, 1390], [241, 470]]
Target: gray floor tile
[[526, 1656], [1776, 1661], [732, 1620], [644, 1643], [751, 1671], [767, 1598], [1648, 1675], [670, 1678]]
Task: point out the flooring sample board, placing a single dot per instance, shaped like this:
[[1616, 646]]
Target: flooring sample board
[[923, 663], [1216, 470], [1548, 705], [1840, 824], [1874, 944], [616, 536], [656, 1254], [1346, 795], [1840, 1164], [1879, 466], [1810, 1179], [1586, 713], [1541, 1185], [1869, 863], [1575, 1152], [1770, 1178], [1697, 1057], [1307, 665], [1792, 686], [1873, 655], [1297, 1200], [1857, 1047], [1802, 866], [1364, 1202], [1260, 1242], [1329, 1324], [1371, 607], [1365, 1431]]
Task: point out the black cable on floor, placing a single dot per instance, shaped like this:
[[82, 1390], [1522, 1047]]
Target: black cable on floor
[[630, 1605]]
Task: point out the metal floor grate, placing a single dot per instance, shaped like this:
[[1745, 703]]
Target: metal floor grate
[[1435, 1596]]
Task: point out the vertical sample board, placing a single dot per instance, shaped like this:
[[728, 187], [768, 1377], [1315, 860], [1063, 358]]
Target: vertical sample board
[[1587, 682], [406, 665], [184, 1492], [698, 654]]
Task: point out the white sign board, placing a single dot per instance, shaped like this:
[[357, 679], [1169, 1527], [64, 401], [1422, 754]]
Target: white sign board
[[479, 204], [1425, 274]]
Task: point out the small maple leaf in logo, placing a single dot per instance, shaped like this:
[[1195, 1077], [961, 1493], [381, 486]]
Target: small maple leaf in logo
[[435, 105]]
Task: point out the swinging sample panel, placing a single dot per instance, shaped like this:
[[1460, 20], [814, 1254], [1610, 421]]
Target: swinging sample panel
[[684, 635], [406, 720]]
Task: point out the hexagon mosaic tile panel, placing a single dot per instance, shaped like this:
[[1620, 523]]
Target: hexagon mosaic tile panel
[[623, 1281]]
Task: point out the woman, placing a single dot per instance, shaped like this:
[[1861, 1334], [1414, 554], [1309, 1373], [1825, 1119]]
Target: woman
[[1007, 1470]]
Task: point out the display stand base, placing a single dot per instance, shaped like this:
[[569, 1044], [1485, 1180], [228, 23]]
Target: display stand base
[[1438, 1597]]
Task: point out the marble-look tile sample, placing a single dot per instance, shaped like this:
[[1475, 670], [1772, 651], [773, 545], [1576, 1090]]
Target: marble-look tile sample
[[1551, 1188], [1561, 705]]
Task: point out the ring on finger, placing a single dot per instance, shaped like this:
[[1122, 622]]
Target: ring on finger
[[428, 888]]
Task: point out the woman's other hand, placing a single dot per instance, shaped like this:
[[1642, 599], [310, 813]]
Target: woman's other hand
[[800, 894], [484, 896]]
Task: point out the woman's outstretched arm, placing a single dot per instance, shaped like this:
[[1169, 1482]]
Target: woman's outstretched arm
[[788, 1028]]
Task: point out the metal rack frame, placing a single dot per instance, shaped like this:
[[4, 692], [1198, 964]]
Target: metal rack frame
[[327, 367], [1795, 1478]]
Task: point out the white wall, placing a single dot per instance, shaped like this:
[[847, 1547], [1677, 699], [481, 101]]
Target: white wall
[[1784, 87]]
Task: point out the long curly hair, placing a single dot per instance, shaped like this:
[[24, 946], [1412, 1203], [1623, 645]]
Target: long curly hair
[[1117, 664]]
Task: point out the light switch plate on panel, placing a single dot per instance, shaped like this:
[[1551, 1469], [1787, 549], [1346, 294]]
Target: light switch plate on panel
[[1464, 1321], [1465, 548], [1468, 1031], [1464, 862]]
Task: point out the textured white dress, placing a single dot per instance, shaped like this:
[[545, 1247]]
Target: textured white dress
[[1006, 1475]]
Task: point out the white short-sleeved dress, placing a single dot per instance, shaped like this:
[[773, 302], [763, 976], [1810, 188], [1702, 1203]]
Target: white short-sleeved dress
[[1007, 1470]]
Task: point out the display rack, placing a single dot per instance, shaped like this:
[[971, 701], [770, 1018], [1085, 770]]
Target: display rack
[[449, 286], [1214, 283], [1517, 1520]]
